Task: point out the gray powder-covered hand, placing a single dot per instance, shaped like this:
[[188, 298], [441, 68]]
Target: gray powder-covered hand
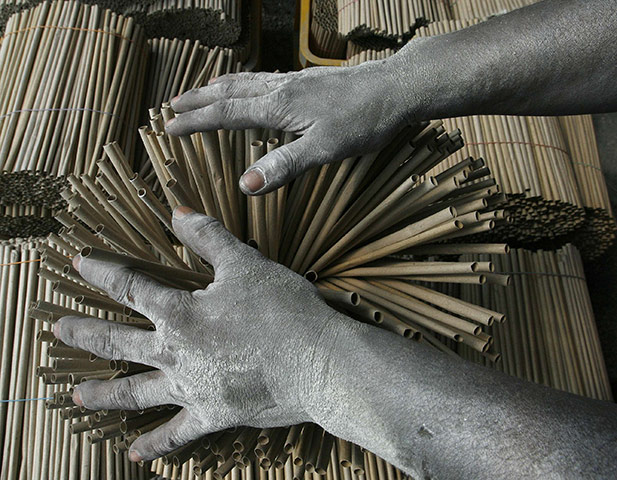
[[247, 350], [538, 60], [340, 112]]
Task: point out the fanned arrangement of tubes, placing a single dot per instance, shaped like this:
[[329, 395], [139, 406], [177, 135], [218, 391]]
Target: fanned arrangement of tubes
[[550, 336], [61, 107], [338, 224], [547, 167]]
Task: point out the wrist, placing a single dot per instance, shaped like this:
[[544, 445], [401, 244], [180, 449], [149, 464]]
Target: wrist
[[325, 360], [435, 78]]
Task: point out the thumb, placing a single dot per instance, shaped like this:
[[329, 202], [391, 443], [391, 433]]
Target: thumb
[[207, 237], [281, 166]]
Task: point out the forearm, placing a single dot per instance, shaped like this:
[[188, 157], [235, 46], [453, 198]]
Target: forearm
[[556, 57], [431, 414]]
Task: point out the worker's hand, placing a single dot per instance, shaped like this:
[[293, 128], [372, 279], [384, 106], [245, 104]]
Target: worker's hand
[[340, 112], [251, 349]]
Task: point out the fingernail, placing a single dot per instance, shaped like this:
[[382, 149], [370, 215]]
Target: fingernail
[[211, 81], [134, 456], [181, 211], [253, 180], [170, 122], [77, 398], [76, 261], [56, 329], [174, 100]]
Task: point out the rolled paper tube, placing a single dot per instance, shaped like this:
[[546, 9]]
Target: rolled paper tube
[[357, 460], [224, 469], [340, 298], [282, 458], [298, 471], [155, 207], [120, 242], [41, 315], [344, 453], [493, 357], [246, 439], [79, 427], [311, 457], [304, 444], [75, 378], [40, 370], [460, 249], [485, 267], [498, 279], [78, 365], [472, 279], [401, 269], [56, 378], [145, 266], [323, 458], [66, 352], [258, 204], [182, 183], [98, 303], [264, 436], [200, 453], [205, 464], [292, 438], [45, 336], [179, 193]]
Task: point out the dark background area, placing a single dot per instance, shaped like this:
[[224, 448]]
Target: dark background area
[[278, 54]]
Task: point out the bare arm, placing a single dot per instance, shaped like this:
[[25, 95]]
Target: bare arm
[[555, 57]]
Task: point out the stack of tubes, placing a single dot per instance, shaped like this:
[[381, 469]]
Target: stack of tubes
[[174, 67], [325, 39], [390, 19], [337, 224], [598, 230], [35, 442], [72, 77], [470, 9], [550, 336], [547, 168], [213, 22]]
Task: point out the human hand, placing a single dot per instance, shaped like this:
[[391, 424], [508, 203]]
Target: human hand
[[250, 349], [340, 112]]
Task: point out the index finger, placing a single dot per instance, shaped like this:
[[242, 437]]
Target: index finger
[[129, 287]]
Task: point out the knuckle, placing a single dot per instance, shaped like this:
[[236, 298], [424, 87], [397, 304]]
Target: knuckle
[[124, 393], [203, 227]]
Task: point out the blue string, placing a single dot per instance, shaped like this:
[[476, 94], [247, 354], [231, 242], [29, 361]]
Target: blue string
[[26, 400]]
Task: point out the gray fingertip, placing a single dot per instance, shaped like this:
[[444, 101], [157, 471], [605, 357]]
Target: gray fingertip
[[77, 261], [182, 211], [169, 126], [134, 455], [253, 181], [77, 398], [59, 330]]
